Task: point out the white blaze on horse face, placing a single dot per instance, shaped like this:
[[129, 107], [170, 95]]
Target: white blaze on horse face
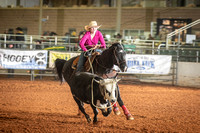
[[121, 51], [110, 86]]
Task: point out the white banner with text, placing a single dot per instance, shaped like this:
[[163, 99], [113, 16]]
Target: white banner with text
[[148, 64], [18, 59]]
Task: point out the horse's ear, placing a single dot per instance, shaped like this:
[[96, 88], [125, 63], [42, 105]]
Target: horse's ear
[[112, 46]]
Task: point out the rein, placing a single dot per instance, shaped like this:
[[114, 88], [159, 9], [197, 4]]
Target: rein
[[90, 52], [118, 63], [102, 94]]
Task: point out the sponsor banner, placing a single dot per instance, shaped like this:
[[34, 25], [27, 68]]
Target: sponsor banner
[[148, 64], [16, 59], [53, 55]]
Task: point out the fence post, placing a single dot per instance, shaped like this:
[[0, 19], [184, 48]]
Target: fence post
[[177, 58], [167, 41], [56, 40], [179, 39], [153, 46], [32, 75], [31, 42], [5, 41], [173, 73]]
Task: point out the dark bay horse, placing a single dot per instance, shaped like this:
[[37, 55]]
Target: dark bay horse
[[102, 66]]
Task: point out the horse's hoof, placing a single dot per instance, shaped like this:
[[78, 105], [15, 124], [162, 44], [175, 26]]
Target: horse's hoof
[[79, 114], [89, 120], [116, 110], [129, 117], [95, 120]]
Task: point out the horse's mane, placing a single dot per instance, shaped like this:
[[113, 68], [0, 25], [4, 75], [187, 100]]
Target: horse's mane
[[107, 51]]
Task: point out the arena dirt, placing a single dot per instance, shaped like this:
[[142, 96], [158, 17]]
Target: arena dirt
[[46, 106]]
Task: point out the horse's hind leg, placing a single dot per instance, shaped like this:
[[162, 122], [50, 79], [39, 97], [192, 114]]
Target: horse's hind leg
[[95, 111], [126, 112], [80, 105]]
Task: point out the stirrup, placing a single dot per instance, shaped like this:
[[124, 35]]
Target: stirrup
[[116, 110]]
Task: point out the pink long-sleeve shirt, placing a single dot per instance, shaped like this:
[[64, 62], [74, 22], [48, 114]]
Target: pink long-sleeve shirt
[[87, 41]]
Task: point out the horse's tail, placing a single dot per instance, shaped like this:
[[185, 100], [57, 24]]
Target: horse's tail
[[59, 63]]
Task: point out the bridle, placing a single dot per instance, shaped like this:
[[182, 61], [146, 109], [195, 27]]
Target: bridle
[[116, 58], [118, 63]]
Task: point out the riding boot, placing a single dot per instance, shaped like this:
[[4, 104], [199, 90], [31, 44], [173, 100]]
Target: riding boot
[[126, 112], [79, 69], [116, 109]]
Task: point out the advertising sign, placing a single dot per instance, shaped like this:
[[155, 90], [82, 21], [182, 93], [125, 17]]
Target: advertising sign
[[18, 59], [148, 64], [53, 55]]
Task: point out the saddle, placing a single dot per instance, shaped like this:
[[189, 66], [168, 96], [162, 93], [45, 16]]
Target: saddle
[[87, 63]]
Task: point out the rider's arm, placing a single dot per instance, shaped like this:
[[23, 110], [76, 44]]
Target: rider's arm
[[82, 42], [101, 39]]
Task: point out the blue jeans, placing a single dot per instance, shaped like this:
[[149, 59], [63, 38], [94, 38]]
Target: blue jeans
[[82, 60]]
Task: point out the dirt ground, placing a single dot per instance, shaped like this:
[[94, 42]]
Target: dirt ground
[[45, 106]]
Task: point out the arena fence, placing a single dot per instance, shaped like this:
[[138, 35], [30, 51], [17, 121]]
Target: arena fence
[[145, 47]]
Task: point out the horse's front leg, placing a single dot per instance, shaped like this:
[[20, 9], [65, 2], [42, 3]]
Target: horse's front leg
[[116, 109], [79, 111], [95, 111], [119, 100], [80, 105]]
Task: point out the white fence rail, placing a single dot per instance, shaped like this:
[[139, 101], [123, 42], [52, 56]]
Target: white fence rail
[[133, 46]]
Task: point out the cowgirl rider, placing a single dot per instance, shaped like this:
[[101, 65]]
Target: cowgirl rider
[[90, 40]]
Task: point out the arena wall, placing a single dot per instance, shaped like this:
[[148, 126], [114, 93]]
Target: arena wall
[[61, 19], [189, 74]]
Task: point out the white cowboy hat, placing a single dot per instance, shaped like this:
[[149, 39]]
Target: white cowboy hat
[[92, 24]]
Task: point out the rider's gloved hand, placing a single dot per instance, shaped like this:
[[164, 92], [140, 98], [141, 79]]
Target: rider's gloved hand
[[88, 53], [97, 46]]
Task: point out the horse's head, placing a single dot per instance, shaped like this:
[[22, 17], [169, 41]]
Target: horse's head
[[119, 56], [108, 88]]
